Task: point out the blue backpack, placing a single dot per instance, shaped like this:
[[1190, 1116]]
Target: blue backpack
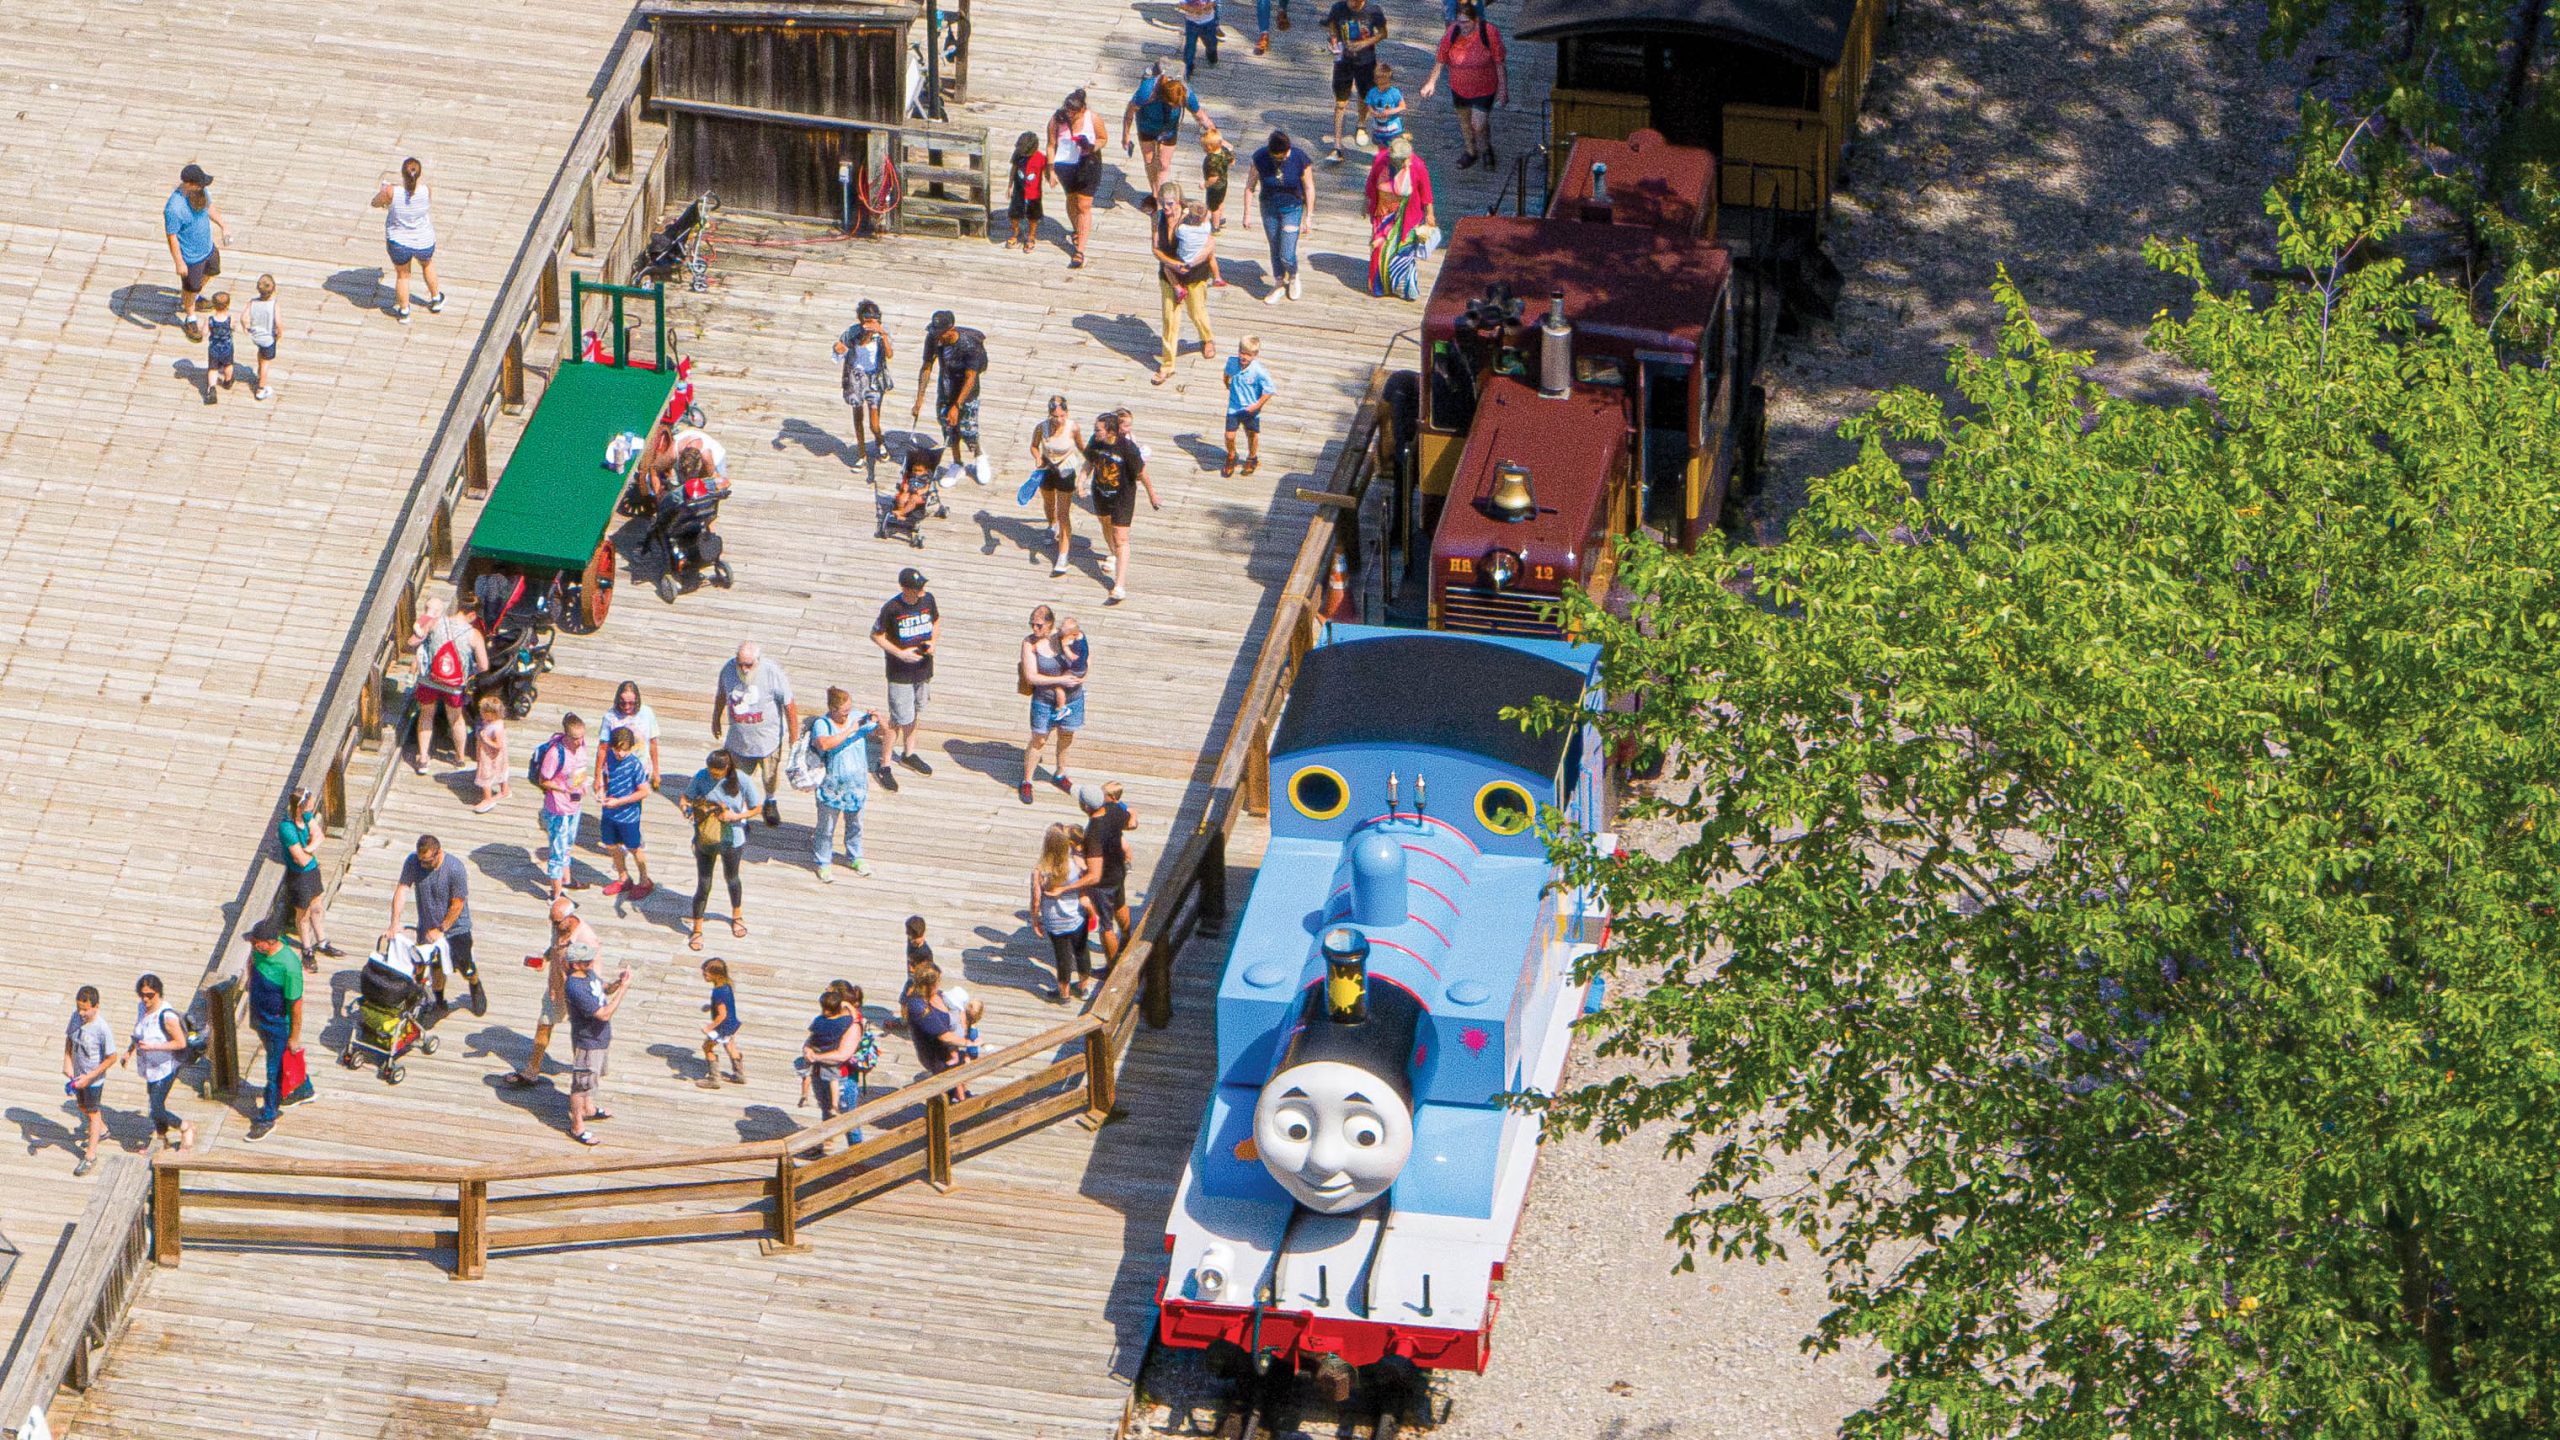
[[533, 770]]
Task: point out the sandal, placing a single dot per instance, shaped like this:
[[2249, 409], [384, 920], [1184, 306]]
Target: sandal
[[737, 928], [1161, 377], [585, 1137], [696, 942]]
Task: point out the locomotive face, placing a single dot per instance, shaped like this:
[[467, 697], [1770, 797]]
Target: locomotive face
[[1334, 1135]]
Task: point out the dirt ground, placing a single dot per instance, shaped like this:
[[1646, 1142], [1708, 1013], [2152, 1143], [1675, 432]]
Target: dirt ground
[[2050, 138]]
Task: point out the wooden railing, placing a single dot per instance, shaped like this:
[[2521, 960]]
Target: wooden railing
[[597, 215], [769, 1188], [86, 1296]]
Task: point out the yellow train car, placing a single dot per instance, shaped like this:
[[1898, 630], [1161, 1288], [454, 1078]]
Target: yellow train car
[[1772, 87]]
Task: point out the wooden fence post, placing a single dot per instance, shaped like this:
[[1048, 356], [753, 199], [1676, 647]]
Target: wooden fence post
[[471, 1230], [164, 1214], [1155, 989], [511, 375], [1213, 884], [786, 1204], [621, 146], [1099, 1081], [582, 219], [937, 1141], [222, 1036]]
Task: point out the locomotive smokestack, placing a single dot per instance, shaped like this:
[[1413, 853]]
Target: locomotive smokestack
[[1346, 975], [1555, 351], [1597, 210]]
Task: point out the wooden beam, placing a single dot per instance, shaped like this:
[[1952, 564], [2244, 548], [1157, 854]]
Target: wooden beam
[[1101, 1079], [471, 1232], [937, 1142]]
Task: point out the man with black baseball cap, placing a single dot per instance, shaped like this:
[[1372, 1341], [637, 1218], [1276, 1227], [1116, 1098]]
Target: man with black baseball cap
[[908, 626], [191, 219], [275, 1012], [960, 354]]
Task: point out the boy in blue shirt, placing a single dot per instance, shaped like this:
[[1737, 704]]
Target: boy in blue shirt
[[1385, 104], [1249, 388]]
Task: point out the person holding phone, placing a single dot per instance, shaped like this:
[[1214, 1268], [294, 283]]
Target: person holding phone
[[591, 1007]]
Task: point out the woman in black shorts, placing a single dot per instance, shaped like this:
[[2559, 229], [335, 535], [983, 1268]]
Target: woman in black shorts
[[1076, 138], [1057, 452], [1118, 472]]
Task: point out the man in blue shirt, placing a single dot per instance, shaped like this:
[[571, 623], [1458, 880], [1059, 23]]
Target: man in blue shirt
[[1248, 390], [191, 218]]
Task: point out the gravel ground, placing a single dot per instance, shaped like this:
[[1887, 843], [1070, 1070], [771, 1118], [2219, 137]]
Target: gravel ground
[[2053, 138]]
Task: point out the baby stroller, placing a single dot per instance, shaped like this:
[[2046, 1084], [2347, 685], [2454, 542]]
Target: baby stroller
[[389, 997], [680, 528], [519, 633], [922, 473]]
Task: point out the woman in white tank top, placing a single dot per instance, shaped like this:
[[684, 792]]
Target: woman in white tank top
[[1076, 138], [410, 233], [1057, 452]]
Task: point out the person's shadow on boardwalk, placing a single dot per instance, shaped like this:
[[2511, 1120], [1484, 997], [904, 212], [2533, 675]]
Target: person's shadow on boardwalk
[[145, 305], [1124, 334], [361, 287], [820, 443], [43, 1131]]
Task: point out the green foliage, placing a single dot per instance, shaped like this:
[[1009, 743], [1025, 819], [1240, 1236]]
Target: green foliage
[[2110, 918], [2464, 100]]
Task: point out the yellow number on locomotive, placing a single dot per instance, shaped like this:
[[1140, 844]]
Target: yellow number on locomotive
[[1460, 565]]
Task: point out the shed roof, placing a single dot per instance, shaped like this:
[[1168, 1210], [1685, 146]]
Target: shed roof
[[1814, 32]]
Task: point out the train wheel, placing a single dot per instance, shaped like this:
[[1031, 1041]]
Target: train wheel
[[595, 588]]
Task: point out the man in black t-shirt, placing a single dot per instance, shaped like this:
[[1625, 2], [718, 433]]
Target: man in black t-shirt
[[961, 355], [1356, 27], [909, 625], [1106, 865], [1117, 468]]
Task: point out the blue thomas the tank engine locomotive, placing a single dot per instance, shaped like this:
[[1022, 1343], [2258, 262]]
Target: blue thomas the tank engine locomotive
[[1405, 961]]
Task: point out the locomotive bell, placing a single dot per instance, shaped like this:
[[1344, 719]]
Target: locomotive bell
[[1512, 499], [1597, 210], [1555, 351]]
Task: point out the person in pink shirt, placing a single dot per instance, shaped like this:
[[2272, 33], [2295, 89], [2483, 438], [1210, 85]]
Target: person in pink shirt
[[561, 766], [1479, 72]]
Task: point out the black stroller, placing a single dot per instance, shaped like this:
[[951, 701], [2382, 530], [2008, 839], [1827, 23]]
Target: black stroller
[[519, 632], [921, 472], [680, 529], [388, 1001]]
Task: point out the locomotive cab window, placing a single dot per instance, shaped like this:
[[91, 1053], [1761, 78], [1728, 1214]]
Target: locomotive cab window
[[1452, 397], [1318, 793], [1505, 808]]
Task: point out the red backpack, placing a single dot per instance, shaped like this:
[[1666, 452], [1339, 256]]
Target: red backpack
[[445, 668]]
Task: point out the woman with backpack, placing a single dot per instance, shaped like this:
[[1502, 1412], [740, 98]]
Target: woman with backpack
[[450, 653], [158, 1052], [721, 800]]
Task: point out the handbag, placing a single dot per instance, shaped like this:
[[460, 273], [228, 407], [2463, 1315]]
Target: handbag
[[802, 768], [297, 1075]]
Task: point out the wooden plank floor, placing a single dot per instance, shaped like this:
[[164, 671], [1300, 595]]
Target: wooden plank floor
[[177, 579], [1019, 1304]]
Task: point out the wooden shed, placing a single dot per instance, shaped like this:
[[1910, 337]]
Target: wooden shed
[[1771, 86], [792, 107]]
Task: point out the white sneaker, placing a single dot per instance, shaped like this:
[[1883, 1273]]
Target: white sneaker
[[264, 393], [1060, 568], [1363, 142], [1107, 567], [1278, 289], [982, 470], [1294, 291]]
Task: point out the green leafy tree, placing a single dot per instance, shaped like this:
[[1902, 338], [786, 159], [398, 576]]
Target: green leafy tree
[[2111, 912], [2462, 95]]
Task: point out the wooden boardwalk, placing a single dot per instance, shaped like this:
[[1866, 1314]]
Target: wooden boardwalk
[[176, 579], [1019, 1303]]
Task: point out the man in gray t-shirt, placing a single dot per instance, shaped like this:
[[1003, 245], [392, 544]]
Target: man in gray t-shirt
[[443, 887], [755, 708]]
